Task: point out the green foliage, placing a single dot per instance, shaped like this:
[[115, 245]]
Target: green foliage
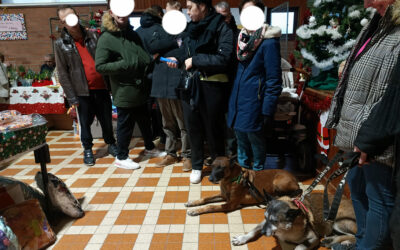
[[30, 74], [12, 73]]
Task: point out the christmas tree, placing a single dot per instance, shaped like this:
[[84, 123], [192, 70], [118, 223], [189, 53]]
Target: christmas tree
[[326, 40]]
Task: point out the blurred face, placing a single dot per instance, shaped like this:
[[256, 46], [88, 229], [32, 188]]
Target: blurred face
[[195, 11], [119, 21], [379, 5], [74, 31], [49, 61], [226, 13]]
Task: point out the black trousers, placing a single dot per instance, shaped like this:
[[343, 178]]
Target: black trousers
[[125, 125], [98, 104], [207, 122]]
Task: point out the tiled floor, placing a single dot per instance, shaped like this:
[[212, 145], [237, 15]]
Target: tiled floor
[[141, 209]]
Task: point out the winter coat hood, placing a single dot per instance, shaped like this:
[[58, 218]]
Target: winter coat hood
[[149, 18], [109, 25], [396, 12], [271, 31]]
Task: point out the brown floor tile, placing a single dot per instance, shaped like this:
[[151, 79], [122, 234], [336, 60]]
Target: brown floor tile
[[155, 160], [139, 144], [69, 171], [28, 181], [10, 172], [105, 161], [84, 182], [131, 217], [61, 152], [65, 145], [104, 198], [35, 170], [220, 241], [48, 139], [95, 170], [77, 161], [136, 151], [140, 197], [73, 242], [79, 195], [91, 218], [55, 161], [26, 162], [214, 218], [147, 182], [99, 145], [205, 194], [307, 182], [176, 197], [178, 170], [119, 241], [115, 182], [176, 216], [152, 170], [206, 182], [179, 181], [252, 216], [54, 133], [264, 243], [69, 139], [122, 171], [166, 241]]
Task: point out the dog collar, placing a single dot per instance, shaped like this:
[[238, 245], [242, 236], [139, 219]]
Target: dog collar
[[300, 204], [238, 178]]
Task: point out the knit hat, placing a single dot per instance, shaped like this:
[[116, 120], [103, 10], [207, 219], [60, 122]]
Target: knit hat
[[206, 2]]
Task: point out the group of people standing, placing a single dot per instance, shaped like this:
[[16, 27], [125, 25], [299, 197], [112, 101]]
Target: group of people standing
[[127, 62]]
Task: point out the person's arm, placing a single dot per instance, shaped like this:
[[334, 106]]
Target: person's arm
[[161, 42], [63, 76], [104, 64], [273, 73], [383, 124], [219, 60]]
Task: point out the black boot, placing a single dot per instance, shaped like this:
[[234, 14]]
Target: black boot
[[113, 149], [88, 157]]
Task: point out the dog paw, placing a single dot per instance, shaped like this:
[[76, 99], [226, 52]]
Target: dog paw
[[327, 241], [239, 240], [192, 212], [189, 204], [301, 247]]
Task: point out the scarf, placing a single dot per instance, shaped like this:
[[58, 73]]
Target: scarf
[[195, 29], [248, 42]]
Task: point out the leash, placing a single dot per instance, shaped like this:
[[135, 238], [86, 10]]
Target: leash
[[252, 189], [329, 165], [349, 161]]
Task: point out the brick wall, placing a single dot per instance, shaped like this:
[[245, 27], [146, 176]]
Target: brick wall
[[30, 52]]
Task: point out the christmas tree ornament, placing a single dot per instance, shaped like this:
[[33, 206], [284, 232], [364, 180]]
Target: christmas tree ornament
[[364, 22]]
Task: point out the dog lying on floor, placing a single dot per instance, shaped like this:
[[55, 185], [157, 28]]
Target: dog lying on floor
[[304, 225], [236, 193]]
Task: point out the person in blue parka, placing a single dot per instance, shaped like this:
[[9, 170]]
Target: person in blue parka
[[256, 89]]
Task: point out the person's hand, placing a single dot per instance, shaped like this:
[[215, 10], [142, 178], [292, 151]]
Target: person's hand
[[188, 63], [75, 106], [363, 156], [172, 64], [268, 125], [155, 56]]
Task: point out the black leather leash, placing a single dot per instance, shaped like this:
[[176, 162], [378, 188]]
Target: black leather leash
[[349, 160]]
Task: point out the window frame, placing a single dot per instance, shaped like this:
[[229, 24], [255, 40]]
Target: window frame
[[295, 10]]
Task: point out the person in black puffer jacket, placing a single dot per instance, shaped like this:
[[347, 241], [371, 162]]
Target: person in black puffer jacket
[[208, 49], [164, 82]]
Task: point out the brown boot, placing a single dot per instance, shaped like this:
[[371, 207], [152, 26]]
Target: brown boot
[[168, 160], [187, 165]]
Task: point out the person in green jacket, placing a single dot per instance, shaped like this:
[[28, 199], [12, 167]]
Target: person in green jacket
[[121, 56]]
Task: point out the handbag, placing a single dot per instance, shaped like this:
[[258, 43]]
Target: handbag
[[187, 89]]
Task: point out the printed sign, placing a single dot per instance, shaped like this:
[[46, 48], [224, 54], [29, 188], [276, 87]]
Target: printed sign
[[12, 27]]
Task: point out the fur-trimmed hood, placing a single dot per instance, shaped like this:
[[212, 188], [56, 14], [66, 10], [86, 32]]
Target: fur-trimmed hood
[[108, 23], [272, 31]]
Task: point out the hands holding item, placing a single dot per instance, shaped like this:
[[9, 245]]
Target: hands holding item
[[363, 156], [188, 63], [172, 62]]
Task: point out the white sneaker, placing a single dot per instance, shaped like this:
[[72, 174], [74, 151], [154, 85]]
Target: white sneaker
[[155, 153], [195, 176], [126, 164]]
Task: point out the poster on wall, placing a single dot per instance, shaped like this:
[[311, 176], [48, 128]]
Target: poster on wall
[[12, 27]]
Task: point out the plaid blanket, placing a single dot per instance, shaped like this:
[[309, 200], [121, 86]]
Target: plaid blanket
[[364, 82]]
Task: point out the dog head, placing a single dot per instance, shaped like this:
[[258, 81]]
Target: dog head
[[280, 215], [221, 167]]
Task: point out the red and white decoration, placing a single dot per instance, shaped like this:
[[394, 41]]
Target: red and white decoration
[[40, 100]]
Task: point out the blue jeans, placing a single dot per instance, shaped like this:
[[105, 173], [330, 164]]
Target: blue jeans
[[372, 193], [251, 146]]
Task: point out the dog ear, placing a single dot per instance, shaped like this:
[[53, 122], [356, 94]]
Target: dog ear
[[267, 196], [293, 213]]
